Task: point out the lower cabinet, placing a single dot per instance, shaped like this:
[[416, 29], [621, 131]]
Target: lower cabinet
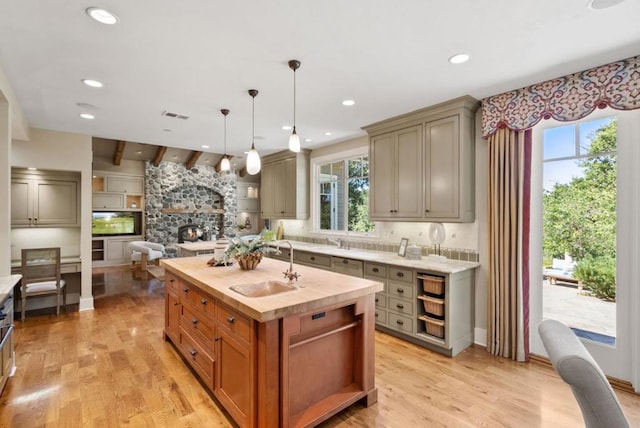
[[217, 342]]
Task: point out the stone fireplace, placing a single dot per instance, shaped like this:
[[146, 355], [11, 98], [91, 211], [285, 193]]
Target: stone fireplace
[[178, 199]]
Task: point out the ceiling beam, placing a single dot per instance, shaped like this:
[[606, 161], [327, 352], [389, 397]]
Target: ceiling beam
[[117, 158], [158, 156], [217, 167], [193, 158]]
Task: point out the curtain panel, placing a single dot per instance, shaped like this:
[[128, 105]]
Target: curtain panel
[[568, 98], [509, 154]]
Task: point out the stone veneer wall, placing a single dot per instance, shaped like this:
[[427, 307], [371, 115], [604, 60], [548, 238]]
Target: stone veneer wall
[[171, 185]]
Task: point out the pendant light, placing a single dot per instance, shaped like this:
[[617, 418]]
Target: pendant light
[[225, 165], [253, 158], [294, 139]]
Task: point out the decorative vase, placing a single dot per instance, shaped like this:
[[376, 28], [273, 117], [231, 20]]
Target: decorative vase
[[249, 261]]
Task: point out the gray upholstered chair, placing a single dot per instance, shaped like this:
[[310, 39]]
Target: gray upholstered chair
[[597, 400], [144, 252]]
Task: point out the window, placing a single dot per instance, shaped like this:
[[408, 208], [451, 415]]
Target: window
[[342, 199]]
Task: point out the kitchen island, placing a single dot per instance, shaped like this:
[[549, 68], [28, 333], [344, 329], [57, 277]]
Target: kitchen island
[[293, 358]]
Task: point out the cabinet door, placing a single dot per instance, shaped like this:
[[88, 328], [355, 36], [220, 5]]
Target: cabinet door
[[134, 185], [56, 203], [280, 188], [408, 186], [117, 249], [290, 188], [442, 172], [21, 202], [267, 190], [234, 386], [173, 314], [108, 201], [382, 170]]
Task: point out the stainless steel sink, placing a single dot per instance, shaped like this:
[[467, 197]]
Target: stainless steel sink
[[262, 289]]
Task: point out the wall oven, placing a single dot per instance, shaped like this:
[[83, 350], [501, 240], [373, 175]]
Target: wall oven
[[6, 341]]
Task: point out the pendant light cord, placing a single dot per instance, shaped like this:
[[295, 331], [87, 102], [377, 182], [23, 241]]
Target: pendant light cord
[[225, 135], [294, 100], [253, 122]]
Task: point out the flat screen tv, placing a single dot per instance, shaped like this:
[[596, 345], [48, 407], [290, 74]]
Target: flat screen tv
[[114, 223]]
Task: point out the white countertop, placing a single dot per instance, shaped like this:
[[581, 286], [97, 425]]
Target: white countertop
[[426, 263], [6, 285]]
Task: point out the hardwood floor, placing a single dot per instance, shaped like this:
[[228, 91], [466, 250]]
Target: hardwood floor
[[110, 367]]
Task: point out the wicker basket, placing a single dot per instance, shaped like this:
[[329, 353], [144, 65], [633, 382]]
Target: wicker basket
[[433, 305], [249, 261], [432, 285], [433, 326]]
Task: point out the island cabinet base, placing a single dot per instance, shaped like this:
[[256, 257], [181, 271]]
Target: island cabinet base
[[295, 371]]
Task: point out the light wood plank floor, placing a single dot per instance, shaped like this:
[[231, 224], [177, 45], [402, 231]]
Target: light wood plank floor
[[110, 367]]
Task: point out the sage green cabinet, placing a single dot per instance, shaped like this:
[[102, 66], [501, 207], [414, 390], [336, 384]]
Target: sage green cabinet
[[284, 186], [44, 202]]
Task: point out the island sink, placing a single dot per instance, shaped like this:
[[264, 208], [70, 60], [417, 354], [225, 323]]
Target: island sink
[[262, 289]]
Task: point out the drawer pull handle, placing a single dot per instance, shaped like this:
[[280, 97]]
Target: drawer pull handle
[[400, 274], [185, 289], [217, 338], [176, 303], [194, 321], [312, 258], [345, 261], [203, 301], [231, 320], [376, 270], [193, 352], [399, 306], [376, 315], [171, 280], [377, 300], [400, 290], [400, 322]]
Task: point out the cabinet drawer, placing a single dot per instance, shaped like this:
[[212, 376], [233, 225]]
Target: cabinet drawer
[[401, 275], [375, 269], [172, 283], [201, 303], [235, 322], [347, 266], [401, 291], [381, 300], [401, 306], [312, 259], [198, 359], [381, 316], [200, 329], [400, 323]]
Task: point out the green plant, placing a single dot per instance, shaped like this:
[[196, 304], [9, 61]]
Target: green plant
[[240, 247], [599, 275]]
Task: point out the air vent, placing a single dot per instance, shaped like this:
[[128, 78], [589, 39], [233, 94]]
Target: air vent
[[175, 115]]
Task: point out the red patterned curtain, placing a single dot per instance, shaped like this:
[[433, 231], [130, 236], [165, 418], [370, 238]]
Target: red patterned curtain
[[569, 98]]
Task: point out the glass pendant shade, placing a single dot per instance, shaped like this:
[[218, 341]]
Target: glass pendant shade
[[294, 141], [225, 165], [253, 161]]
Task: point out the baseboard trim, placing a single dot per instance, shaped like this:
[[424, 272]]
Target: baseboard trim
[[480, 336], [86, 304]]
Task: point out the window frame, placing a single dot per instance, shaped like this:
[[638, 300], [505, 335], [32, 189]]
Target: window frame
[[315, 163]]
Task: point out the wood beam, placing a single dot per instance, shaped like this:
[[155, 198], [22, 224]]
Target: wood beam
[[158, 156], [117, 158], [217, 167], [192, 159]]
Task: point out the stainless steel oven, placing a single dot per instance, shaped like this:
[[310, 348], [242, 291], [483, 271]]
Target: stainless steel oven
[[6, 341]]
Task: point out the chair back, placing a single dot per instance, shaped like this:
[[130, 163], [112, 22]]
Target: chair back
[[40, 265], [598, 402]]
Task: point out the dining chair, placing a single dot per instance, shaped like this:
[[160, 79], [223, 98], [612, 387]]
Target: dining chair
[[598, 402], [41, 276]]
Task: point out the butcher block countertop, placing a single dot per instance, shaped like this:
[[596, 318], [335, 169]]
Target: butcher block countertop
[[316, 288]]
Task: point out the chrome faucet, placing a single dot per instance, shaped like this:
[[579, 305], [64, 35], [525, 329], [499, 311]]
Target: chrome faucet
[[337, 242], [289, 274]]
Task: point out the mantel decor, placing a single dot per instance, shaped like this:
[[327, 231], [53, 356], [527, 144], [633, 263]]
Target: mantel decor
[[568, 98]]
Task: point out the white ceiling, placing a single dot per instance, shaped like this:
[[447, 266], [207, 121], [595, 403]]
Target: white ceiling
[[195, 57]]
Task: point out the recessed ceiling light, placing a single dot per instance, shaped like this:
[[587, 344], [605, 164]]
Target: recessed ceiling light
[[102, 16], [286, 127], [308, 140], [87, 116], [603, 4], [204, 146], [328, 133], [92, 83], [348, 103], [138, 152], [31, 168], [459, 58]]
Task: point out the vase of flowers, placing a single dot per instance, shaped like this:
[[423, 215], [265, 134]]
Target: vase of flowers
[[247, 253]]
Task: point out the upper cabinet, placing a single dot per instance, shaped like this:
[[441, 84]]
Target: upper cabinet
[[284, 186], [117, 191], [422, 164], [44, 200]]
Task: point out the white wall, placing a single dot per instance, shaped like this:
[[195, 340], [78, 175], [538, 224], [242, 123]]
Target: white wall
[[64, 151], [5, 184]]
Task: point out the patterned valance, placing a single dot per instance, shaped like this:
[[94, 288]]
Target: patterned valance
[[615, 85]]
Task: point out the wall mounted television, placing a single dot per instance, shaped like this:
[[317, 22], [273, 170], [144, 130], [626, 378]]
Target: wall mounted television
[[114, 223]]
